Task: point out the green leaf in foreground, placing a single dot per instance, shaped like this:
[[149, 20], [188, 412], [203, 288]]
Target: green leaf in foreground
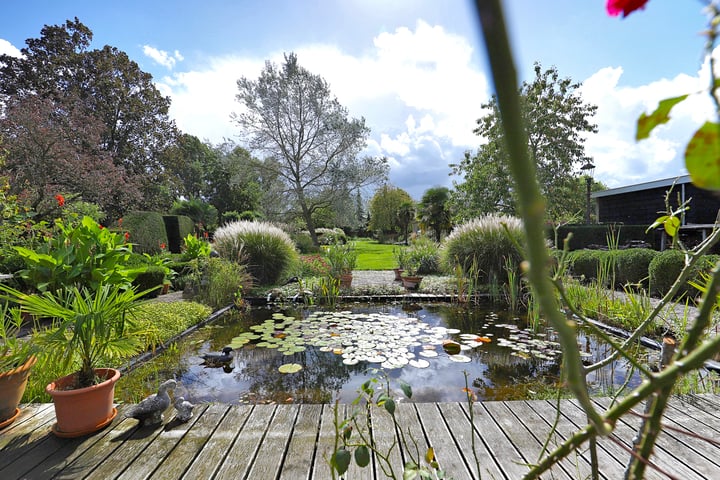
[[646, 123], [702, 157], [289, 368]]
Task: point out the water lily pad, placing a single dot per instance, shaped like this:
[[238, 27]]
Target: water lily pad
[[419, 363], [428, 353], [289, 368]]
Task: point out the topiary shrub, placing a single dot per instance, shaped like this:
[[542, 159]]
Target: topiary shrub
[[632, 266], [267, 251], [585, 263], [481, 247], [146, 231], [664, 269], [666, 266]]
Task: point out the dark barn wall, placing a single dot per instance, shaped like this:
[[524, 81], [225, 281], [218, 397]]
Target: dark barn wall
[[642, 207], [703, 207], [632, 208]]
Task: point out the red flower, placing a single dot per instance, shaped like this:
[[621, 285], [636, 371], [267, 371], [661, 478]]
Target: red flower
[[60, 199], [101, 227], [615, 7], [127, 236], [119, 222], [205, 234], [162, 246]]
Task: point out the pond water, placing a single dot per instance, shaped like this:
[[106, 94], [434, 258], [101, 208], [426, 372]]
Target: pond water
[[333, 353]]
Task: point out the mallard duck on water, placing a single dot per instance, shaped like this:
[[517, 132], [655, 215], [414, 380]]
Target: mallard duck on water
[[218, 359], [150, 410]]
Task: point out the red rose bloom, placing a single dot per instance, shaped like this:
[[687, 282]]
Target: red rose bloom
[[60, 199], [614, 7], [127, 236]]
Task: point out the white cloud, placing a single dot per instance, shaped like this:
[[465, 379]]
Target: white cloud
[[161, 57], [418, 90], [619, 159], [7, 48]]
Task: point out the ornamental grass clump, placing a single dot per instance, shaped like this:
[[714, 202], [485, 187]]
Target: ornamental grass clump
[[267, 251], [482, 246]]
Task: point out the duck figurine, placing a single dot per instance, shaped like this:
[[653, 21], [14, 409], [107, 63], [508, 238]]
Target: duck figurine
[[216, 359], [183, 409], [149, 411]]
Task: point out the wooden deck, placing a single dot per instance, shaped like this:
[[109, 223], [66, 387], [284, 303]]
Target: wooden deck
[[292, 441]]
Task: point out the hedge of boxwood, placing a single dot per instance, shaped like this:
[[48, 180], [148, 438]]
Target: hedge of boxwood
[[653, 270]]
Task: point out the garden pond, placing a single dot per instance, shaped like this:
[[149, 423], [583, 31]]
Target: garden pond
[[308, 355]]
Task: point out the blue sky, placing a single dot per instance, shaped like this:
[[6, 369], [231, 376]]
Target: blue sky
[[414, 69]]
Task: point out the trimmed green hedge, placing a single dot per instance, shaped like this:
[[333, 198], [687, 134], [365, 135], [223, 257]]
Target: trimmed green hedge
[[597, 234], [632, 266], [147, 231]]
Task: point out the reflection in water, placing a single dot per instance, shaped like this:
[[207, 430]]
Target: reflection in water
[[511, 366]]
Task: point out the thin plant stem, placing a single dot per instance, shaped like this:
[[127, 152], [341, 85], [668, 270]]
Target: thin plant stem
[[530, 199]]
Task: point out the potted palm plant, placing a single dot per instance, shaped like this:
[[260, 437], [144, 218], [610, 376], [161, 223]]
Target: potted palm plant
[[90, 327], [342, 259], [17, 357]]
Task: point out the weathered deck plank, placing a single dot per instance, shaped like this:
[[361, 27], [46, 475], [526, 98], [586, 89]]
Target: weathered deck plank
[[441, 438], [458, 420], [301, 450], [179, 460], [242, 453], [293, 442], [570, 419], [215, 450]]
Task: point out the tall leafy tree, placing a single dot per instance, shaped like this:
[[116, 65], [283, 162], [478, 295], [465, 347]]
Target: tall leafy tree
[[405, 215], [557, 120], [384, 207], [434, 210], [108, 86], [290, 115], [54, 147]]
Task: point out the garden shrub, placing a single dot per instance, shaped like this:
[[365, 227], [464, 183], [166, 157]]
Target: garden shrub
[[220, 281], [632, 266], [330, 236], [147, 231], [267, 251], [666, 266], [425, 253], [481, 247], [303, 242], [152, 278], [313, 266], [585, 263]]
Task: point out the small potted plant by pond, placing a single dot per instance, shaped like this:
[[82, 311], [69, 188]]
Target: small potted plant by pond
[[410, 278], [342, 259], [90, 328], [402, 256], [17, 357]]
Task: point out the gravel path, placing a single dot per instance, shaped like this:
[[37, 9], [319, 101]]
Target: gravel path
[[364, 278]]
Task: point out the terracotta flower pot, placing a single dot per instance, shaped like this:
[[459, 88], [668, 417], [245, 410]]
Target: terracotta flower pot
[[82, 411], [345, 280], [398, 274], [411, 282], [12, 388]]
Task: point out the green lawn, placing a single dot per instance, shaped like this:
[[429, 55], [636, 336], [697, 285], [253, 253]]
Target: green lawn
[[374, 256]]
